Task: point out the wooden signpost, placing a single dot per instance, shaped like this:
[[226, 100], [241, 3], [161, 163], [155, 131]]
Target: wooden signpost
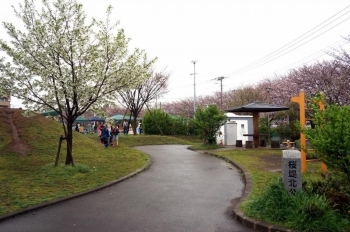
[[301, 101]]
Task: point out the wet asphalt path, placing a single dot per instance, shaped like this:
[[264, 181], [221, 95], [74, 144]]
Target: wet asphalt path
[[182, 191]]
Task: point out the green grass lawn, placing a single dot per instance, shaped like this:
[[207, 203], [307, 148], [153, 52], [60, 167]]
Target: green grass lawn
[[33, 179], [253, 161], [269, 202]]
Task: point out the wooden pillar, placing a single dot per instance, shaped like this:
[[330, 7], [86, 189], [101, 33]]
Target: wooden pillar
[[256, 129], [321, 105], [301, 101]]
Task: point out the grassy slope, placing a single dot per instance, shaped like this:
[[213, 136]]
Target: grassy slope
[[30, 180]]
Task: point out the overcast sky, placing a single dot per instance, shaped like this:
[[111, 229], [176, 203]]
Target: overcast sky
[[244, 41]]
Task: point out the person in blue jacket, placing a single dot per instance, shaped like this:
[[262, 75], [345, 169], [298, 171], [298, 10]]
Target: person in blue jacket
[[105, 134]]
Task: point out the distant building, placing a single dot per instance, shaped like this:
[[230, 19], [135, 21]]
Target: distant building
[[5, 101], [235, 128]]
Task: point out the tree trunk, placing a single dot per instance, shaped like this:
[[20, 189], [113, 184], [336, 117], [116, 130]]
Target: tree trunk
[[135, 124], [69, 139]]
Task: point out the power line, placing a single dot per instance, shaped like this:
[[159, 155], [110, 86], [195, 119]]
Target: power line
[[278, 50], [274, 58], [188, 85], [270, 57], [339, 42], [314, 56], [286, 67], [306, 60]]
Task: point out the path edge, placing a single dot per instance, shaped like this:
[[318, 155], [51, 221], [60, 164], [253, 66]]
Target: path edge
[[58, 200], [237, 214]]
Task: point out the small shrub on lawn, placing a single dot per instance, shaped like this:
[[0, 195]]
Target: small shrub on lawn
[[302, 211], [314, 213], [336, 188]]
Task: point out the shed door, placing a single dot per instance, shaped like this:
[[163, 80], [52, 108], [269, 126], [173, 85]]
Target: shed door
[[230, 133]]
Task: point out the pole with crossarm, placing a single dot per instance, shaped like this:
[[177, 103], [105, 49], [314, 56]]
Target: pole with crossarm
[[194, 86]]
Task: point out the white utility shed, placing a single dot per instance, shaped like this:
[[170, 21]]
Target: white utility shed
[[235, 127]]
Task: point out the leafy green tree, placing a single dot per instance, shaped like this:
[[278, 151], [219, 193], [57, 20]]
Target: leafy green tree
[[180, 126], [287, 122], [66, 64], [263, 125], [207, 122], [330, 138], [156, 121]]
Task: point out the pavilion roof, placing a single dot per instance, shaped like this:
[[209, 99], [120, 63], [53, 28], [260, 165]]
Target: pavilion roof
[[258, 107]]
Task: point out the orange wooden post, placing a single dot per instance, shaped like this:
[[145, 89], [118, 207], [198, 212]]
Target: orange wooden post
[[301, 101], [323, 167], [321, 105]]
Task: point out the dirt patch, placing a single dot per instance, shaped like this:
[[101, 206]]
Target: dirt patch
[[273, 163], [16, 145]]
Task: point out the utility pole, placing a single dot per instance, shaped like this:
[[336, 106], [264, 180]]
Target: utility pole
[[220, 79], [194, 86]]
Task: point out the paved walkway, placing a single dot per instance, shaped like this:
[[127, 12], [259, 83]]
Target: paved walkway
[[183, 190]]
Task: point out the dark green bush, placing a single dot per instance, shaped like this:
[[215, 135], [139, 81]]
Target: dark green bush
[[330, 137], [156, 122], [335, 188], [314, 213], [207, 123], [303, 211], [273, 205]]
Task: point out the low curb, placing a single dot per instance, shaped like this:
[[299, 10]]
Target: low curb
[[45, 204], [237, 214]]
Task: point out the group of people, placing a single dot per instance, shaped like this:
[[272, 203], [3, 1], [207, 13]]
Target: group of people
[[127, 127], [108, 135], [85, 128]]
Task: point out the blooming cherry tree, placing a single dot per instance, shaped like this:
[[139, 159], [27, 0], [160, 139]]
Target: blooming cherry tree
[[62, 62]]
